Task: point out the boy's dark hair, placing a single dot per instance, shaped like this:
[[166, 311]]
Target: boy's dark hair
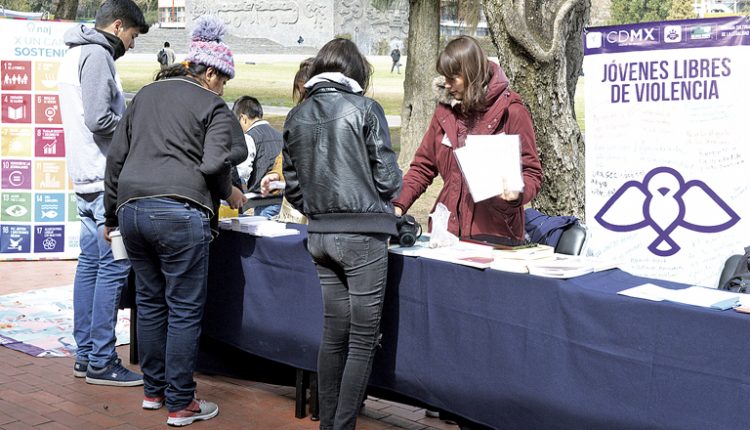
[[125, 10], [166, 44], [249, 106], [342, 55]]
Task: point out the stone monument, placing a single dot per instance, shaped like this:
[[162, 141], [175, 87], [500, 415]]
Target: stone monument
[[315, 22]]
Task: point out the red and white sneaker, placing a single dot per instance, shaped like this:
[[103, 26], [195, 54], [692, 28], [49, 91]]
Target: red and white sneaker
[[197, 410], [153, 403]]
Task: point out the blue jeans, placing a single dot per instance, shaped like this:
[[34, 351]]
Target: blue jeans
[[167, 243], [267, 211], [97, 287], [352, 270]]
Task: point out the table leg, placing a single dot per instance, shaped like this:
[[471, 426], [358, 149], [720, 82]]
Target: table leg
[[300, 394], [314, 405], [133, 335]]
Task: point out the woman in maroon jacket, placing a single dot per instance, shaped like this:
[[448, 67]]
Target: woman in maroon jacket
[[473, 98]]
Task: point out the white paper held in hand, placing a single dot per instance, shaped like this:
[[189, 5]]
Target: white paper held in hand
[[489, 160]]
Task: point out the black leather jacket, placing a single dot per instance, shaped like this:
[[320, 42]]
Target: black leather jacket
[[339, 167]]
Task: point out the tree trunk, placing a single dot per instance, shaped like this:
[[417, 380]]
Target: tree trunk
[[419, 100], [540, 47], [67, 9]]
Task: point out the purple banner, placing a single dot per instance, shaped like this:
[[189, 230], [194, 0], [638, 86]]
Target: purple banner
[[689, 33]]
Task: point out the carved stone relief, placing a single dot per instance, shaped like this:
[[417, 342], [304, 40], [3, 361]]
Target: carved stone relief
[[317, 21]]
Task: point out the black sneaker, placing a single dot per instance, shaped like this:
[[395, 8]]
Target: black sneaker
[[79, 369], [115, 375]]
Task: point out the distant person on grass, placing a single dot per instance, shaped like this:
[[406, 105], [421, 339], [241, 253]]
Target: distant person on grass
[[396, 57], [92, 103], [166, 56]]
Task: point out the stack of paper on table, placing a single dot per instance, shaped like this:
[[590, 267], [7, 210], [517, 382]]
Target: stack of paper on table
[[261, 226], [238, 222], [568, 266], [695, 296]]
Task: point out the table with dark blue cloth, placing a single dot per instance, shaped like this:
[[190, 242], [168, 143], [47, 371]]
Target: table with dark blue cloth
[[507, 350]]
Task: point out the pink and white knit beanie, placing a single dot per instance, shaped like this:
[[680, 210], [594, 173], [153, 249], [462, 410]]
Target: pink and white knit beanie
[[207, 47]]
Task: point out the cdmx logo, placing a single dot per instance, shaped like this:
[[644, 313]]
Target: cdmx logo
[[632, 35], [667, 202]]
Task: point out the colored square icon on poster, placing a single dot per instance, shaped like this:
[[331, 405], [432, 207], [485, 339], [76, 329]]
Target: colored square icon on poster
[[15, 239], [73, 208], [16, 141], [16, 174], [49, 207], [45, 75], [15, 207], [15, 75], [47, 109], [49, 238], [49, 175], [49, 142], [16, 108]]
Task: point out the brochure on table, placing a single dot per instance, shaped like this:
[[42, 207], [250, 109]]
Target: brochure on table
[[710, 298], [539, 260]]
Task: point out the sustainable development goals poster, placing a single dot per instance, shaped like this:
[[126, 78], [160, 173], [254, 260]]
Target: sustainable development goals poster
[[38, 216]]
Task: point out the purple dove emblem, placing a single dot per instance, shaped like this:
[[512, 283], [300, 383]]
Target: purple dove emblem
[[667, 202]]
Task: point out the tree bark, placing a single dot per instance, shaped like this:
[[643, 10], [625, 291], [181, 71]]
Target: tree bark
[[540, 46], [67, 9], [419, 100]]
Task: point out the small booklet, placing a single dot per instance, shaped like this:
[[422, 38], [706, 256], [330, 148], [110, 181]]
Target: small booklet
[[526, 253]]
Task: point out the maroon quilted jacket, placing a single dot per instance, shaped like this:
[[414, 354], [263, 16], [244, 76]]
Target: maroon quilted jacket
[[448, 130]]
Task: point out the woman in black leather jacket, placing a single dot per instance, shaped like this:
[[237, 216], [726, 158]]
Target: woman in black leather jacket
[[342, 174]]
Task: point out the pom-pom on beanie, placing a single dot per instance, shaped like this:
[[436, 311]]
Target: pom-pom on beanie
[[207, 47]]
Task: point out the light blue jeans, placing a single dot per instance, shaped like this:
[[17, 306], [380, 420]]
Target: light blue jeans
[[352, 270], [97, 287], [167, 243], [267, 211]]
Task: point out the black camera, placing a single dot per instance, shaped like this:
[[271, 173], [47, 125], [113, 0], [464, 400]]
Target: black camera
[[409, 230]]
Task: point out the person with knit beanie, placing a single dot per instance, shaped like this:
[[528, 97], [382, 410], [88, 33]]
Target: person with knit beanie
[[170, 163]]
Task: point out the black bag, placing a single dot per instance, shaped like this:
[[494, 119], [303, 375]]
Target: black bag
[[161, 57], [740, 278]]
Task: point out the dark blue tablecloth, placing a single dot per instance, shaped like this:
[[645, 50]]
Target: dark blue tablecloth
[[511, 351]]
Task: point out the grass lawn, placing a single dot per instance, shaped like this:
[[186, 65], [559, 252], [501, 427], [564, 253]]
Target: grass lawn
[[271, 82]]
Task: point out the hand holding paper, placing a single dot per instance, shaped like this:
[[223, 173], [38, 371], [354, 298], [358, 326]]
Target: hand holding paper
[[491, 165]]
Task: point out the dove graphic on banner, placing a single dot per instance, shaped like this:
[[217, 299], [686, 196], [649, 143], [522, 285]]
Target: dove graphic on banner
[[667, 202]]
